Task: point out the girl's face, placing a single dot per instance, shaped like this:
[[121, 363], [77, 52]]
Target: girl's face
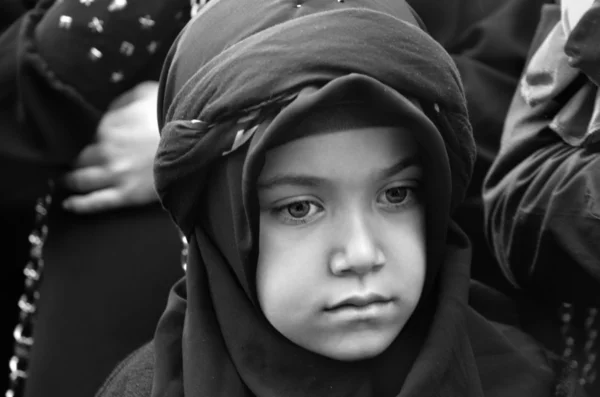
[[342, 244]]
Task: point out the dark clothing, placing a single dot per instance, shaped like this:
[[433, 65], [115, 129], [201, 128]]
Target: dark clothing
[[278, 63], [90, 317], [134, 375], [489, 41], [540, 195], [60, 71], [61, 65], [542, 191]]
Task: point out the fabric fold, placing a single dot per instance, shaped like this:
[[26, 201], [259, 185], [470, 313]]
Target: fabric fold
[[277, 64]]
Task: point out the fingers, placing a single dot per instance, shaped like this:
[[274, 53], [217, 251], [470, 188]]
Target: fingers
[[97, 201], [85, 180], [106, 188], [91, 155]]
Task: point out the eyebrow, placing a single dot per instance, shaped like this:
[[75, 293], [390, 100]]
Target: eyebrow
[[407, 162], [315, 181]]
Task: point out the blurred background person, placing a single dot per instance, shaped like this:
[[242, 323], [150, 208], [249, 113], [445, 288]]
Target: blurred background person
[[78, 107], [541, 194]]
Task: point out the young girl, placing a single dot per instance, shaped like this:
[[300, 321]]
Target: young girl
[[313, 154]]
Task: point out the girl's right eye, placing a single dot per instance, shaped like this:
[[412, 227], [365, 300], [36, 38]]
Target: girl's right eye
[[298, 212]]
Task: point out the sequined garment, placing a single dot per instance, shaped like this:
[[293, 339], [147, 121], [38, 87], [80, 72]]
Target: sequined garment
[[103, 47]]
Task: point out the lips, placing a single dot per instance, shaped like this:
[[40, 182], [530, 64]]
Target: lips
[[359, 301]]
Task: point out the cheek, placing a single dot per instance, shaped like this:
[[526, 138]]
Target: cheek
[[289, 266], [406, 254]]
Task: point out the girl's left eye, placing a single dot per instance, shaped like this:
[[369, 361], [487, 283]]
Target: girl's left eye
[[298, 212], [397, 196], [299, 209]]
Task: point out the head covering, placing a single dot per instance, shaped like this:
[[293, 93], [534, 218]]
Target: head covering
[[238, 80]]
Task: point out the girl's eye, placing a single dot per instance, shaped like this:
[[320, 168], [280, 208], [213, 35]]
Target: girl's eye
[[298, 212], [397, 196], [299, 209]]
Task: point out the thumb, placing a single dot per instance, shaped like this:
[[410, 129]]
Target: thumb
[[96, 201]]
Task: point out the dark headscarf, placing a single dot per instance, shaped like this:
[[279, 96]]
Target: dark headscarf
[[239, 78]]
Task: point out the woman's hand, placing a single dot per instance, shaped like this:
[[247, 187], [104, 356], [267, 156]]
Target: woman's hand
[[116, 170]]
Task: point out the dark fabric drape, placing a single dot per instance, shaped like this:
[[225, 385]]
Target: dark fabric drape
[[278, 57]]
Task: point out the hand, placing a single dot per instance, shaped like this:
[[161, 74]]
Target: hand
[[115, 171]]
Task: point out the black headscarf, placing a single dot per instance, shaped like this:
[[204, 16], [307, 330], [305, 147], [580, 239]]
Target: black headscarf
[[239, 78]]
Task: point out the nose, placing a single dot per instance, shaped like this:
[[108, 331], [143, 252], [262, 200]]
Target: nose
[[358, 252]]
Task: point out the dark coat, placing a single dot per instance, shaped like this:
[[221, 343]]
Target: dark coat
[[541, 200]]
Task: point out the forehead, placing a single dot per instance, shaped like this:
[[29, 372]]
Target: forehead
[[353, 151]]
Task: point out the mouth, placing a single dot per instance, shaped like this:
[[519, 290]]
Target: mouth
[[359, 302]]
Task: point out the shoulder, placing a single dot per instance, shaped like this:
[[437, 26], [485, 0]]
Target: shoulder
[[133, 376]]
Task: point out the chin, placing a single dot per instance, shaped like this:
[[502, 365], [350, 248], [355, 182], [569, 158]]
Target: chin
[[357, 349], [358, 354]]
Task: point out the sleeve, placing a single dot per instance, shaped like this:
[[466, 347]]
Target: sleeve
[[542, 214], [132, 377], [74, 57], [61, 65]]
